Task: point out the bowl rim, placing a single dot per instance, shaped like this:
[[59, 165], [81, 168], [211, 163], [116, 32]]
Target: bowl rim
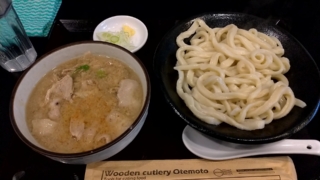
[[144, 37], [96, 150], [214, 134]]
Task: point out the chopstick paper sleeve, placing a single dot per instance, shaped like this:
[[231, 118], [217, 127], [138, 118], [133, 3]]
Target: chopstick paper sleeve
[[276, 168]]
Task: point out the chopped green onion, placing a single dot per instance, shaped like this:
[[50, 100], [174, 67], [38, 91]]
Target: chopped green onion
[[82, 68], [114, 39], [120, 38], [101, 73]]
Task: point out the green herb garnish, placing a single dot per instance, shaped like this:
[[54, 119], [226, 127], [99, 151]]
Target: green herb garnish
[[101, 73], [120, 38], [82, 68]]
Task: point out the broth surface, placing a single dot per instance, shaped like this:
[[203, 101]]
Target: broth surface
[[84, 103]]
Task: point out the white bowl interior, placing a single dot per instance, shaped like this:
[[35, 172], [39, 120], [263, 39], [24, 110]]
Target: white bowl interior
[[54, 59], [115, 23]]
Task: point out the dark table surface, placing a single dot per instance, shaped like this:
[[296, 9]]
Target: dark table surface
[[160, 137]]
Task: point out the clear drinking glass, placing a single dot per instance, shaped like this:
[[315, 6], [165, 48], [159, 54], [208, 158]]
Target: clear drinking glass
[[16, 51]]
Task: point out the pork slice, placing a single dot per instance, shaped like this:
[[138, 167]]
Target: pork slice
[[76, 128], [106, 138], [87, 88], [115, 117], [119, 121], [62, 88], [43, 126], [126, 92], [65, 87], [54, 109], [89, 134]]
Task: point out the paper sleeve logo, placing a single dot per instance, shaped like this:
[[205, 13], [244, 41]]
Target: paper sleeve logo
[[141, 175], [221, 172]]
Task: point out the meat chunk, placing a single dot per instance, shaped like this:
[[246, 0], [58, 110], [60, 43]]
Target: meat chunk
[[76, 128], [54, 109], [105, 138], [43, 126], [115, 117], [65, 88], [88, 87], [86, 83], [89, 134], [127, 89], [119, 121], [62, 88]]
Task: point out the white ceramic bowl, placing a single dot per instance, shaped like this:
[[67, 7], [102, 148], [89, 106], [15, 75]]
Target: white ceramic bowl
[[115, 24], [47, 62]]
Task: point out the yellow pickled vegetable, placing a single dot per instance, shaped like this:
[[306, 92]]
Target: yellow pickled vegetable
[[128, 30]]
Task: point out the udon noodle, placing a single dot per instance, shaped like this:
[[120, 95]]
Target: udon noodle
[[234, 76]]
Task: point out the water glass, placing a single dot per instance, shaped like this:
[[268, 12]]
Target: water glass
[[16, 51]]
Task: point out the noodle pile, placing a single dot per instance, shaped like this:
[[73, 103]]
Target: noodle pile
[[234, 76]]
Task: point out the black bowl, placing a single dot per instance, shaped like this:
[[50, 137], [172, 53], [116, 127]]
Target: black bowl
[[303, 77]]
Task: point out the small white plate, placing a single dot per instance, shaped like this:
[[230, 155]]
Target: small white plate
[[115, 23]]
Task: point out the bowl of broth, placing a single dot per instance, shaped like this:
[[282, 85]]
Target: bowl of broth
[[81, 103]]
